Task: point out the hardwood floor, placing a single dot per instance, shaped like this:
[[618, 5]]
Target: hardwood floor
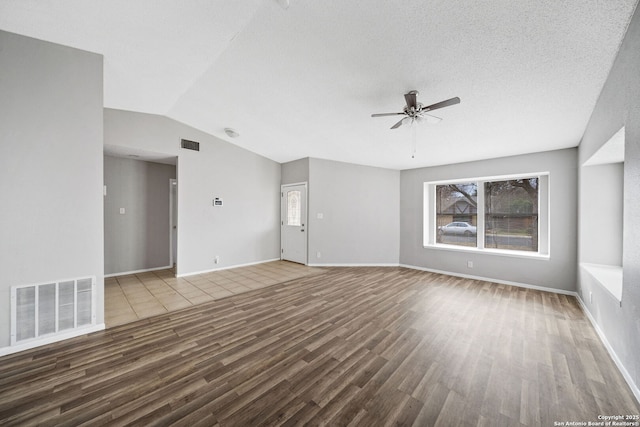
[[350, 346]]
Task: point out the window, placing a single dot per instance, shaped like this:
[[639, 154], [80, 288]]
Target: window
[[293, 208], [457, 214], [511, 214], [496, 214]]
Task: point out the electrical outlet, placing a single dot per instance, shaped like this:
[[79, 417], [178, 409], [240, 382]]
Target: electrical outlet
[[470, 264], [216, 259], [318, 254]]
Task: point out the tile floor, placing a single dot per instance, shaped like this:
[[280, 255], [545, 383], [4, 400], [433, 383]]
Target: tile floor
[[137, 296]]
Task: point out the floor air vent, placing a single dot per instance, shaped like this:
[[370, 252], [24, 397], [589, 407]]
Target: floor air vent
[[51, 308], [190, 145]]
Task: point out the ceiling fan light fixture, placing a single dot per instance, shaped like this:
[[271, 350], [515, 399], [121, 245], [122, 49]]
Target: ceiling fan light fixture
[[231, 133], [431, 119]]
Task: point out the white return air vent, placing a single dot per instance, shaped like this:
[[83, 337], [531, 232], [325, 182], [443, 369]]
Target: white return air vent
[[48, 309]]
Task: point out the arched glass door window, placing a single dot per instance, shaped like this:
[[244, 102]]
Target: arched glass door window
[[293, 208]]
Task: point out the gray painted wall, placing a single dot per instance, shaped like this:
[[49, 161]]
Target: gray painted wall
[[139, 239], [295, 172], [556, 272], [361, 218], [50, 167], [619, 106], [246, 229]]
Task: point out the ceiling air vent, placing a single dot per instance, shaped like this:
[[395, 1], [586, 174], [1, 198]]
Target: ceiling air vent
[[190, 145]]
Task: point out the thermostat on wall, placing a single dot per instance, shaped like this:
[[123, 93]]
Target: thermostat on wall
[[217, 202]]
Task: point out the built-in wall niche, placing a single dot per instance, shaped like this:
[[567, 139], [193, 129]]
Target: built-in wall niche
[[601, 207]]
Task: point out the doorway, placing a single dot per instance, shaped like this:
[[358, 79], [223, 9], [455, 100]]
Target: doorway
[[173, 222], [293, 231], [137, 214]]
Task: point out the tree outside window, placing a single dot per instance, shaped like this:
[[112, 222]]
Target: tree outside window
[[511, 214]]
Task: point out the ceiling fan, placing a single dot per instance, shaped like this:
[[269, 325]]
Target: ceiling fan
[[416, 112]]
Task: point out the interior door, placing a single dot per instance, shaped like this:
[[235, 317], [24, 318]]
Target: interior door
[[293, 223], [173, 215]]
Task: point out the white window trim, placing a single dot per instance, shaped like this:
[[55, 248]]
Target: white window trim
[[544, 216]]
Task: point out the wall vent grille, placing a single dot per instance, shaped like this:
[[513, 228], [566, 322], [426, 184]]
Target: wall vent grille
[[50, 308], [190, 145]]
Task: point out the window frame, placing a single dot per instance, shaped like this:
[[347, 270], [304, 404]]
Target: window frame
[[544, 220], [294, 220]]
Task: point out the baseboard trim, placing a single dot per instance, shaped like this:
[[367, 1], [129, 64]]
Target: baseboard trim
[[489, 279], [355, 265], [51, 339], [228, 267], [625, 374], [146, 270]]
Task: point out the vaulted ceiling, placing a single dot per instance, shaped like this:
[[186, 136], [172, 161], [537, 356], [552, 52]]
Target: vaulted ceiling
[[302, 79]]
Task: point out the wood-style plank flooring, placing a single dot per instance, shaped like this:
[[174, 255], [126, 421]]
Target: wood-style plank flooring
[[349, 346]]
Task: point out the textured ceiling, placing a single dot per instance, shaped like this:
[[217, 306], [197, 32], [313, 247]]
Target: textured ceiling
[[303, 80]]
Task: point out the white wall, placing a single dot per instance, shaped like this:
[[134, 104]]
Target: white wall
[[618, 106], [139, 238], [557, 272], [247, 228], [601, 212], [50, 167], [361, 220]]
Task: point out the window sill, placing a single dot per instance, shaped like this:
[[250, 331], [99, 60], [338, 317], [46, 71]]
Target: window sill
[[609, 277], [486, 251]]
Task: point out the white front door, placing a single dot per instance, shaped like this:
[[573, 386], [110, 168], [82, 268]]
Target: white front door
[[293, 233]]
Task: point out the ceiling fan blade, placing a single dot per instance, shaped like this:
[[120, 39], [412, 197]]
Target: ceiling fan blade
[[397, 125], [385, 114], [442, 104], [411, 99], [429, 118]]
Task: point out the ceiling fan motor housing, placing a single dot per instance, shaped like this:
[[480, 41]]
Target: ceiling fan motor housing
[[413, 111]]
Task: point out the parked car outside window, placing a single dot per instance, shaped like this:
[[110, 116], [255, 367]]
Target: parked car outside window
[[463, 228]]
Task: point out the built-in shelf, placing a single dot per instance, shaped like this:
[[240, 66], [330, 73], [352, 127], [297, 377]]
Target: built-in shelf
[[609, 276], [610, 152], [602, 215]]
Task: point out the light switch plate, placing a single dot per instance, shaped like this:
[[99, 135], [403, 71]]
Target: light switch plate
[[121, 211]]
